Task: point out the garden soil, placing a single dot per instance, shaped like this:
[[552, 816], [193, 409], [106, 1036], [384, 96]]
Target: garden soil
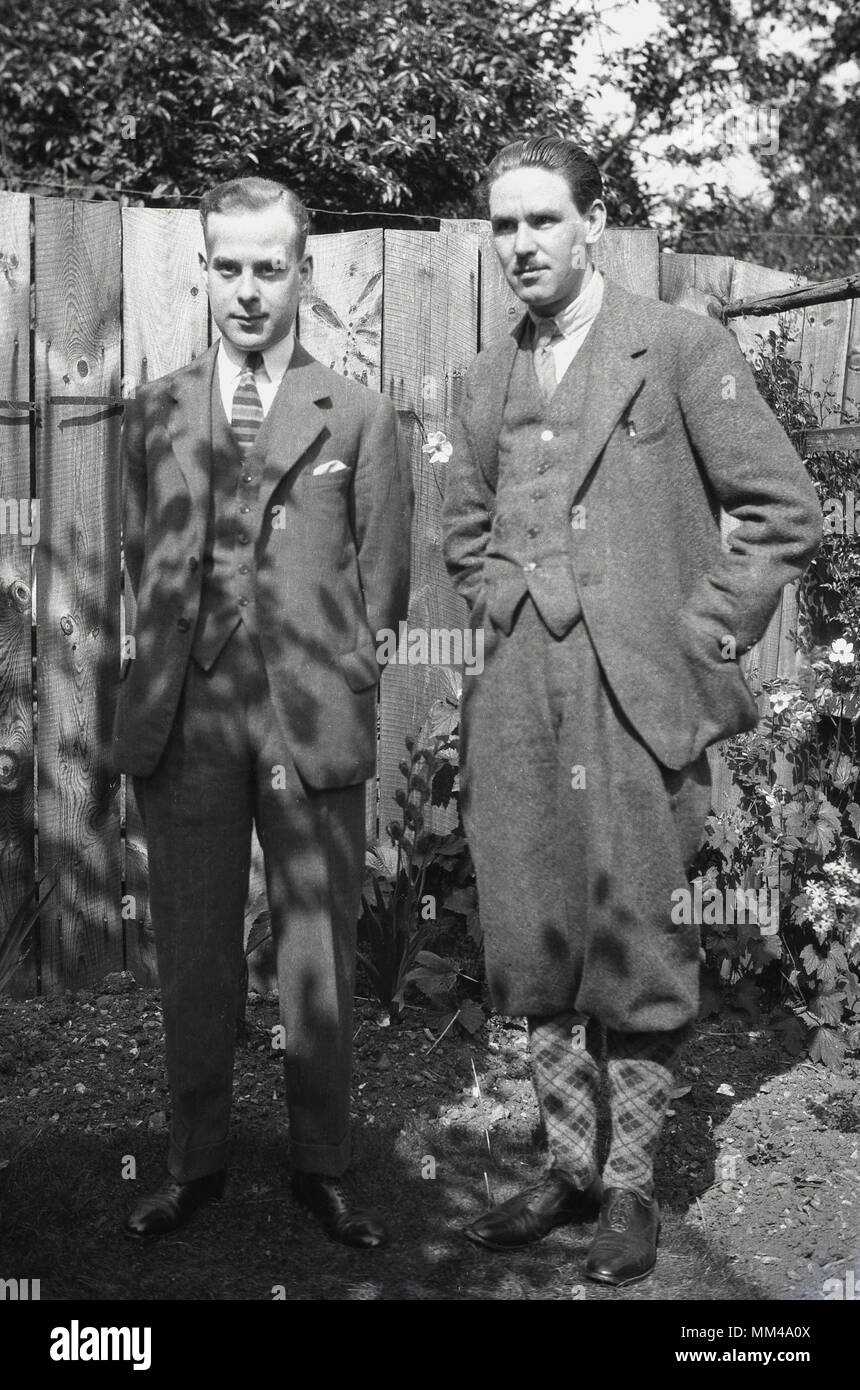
[[757, 1171]]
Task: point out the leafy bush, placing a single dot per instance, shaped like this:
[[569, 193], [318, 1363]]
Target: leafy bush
[[414, 884]]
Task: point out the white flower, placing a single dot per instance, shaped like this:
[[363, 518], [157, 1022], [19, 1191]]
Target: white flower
[[438, 446], [781, 699], [824, 927], [841, 652]]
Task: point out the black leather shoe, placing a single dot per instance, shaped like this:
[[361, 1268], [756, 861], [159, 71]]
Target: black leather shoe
[[337, 1213], [625, 1247], [534, 1212], [172, 1205]]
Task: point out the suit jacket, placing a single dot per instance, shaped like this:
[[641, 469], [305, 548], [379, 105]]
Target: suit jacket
[[674, 429], [332, 564]]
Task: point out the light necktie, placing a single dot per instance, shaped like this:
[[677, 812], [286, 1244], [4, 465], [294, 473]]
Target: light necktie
[[547, 332], [247, 415]]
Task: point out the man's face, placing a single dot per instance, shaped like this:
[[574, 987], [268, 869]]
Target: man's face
[[253, 276], [542, 240]]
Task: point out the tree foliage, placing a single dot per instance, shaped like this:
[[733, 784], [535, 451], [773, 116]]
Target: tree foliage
[[792, 64], [391, 103], [399, 105]]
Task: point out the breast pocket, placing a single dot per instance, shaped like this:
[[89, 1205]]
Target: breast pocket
[[322, 480], [644, 426]]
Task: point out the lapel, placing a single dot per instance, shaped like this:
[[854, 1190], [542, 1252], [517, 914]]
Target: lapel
[[612, 371], [613, 358], [295, 419], [483, 419], [189, 429]]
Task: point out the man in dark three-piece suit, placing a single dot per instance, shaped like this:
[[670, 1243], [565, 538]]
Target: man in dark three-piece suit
[[266, 528], [592, 453]]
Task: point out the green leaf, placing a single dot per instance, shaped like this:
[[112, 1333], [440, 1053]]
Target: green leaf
[[461, 900], [812, 961], [434, 962], [431, 983], [471, 1016], [827, 1047], [828, 1007], [824, 828]]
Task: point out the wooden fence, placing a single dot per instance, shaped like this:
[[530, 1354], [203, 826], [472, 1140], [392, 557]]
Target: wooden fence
[[95, 299]]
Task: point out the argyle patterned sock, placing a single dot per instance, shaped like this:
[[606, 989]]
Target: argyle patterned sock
[[640, 1084], [567, 1077]]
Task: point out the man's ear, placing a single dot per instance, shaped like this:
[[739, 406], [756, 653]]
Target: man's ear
[[596, 219], [306, 270], [204, 268]]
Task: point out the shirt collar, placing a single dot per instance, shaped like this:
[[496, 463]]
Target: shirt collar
[[276, 358], [582, 310]]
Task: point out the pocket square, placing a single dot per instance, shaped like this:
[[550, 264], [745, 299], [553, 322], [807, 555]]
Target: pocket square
[[332, 466]]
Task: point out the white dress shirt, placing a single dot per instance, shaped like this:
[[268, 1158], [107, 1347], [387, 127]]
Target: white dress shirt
[[574, 322], [231, 360]]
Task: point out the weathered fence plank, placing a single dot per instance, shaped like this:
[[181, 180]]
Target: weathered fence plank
[[823, 352], [340, 322], [695, 282], [165, 312], [750, 281], [78, 566], [851, 386], [632, 258], [498, 306], [430, 326], [165, 323], [17, 518]]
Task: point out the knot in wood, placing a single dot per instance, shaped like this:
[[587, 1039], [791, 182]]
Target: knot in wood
[[10, 770], [18, 594]]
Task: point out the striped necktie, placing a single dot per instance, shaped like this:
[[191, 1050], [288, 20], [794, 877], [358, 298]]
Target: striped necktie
[[247, 415], [547, 332]]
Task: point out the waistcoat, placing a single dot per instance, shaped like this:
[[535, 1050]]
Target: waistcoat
[[229, 563], [535, 524]]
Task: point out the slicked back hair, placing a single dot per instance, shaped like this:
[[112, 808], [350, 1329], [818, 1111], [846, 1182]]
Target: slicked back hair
[[555, 155], [253, 195]]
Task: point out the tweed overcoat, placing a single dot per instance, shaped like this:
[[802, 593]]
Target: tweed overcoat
[[331, 559]]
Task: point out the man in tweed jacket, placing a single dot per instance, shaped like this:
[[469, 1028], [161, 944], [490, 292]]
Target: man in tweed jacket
[[593, 450]]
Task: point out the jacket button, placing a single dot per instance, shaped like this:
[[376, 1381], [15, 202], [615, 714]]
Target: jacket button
[[542, 467], [532, 532], [242, 538], [243, 602], [547, 435], [183, 624], [193, 563], [244, 569]]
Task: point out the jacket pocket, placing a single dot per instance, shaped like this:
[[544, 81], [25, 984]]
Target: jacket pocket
[[360, 668]]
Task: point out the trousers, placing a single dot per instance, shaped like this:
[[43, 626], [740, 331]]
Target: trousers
[[580, 838], [227, 767]]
